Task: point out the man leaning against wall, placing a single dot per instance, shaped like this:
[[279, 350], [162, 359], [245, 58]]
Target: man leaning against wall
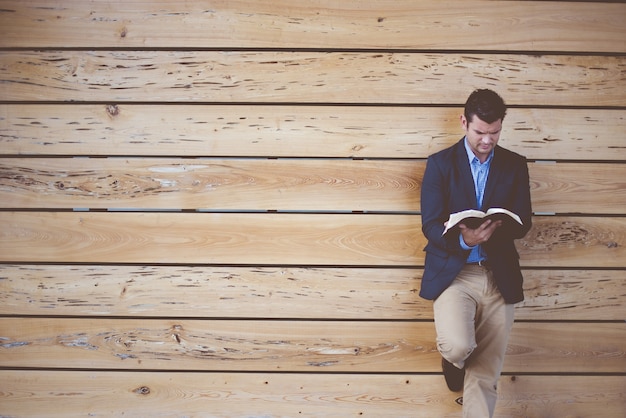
[[472, 273]]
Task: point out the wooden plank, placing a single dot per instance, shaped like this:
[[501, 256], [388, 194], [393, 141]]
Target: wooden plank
[[561, 396], [566, 347], [575, 242], [512, 25], [309, 77], [182, 344], [215, 184], [282, 292], [222, 292], [222, 238], [330, 346], [281, 239], [104, 394], [578, 188], [68, 394], [573, 295], [296, 131], [293, 184]]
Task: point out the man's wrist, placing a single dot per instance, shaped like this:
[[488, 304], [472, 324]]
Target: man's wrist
[[463, 244]]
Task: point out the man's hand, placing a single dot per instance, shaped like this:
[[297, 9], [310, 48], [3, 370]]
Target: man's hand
[[480, 235]]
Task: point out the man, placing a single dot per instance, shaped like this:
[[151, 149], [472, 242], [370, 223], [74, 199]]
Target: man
[[473, 275]]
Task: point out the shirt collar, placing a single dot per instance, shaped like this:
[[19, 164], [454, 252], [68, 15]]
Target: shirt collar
[[471, 156]]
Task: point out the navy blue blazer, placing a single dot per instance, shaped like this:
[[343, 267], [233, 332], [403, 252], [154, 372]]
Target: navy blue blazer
[[448, 187]]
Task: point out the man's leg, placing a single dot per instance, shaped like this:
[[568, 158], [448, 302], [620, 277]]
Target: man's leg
[[455, 312], [494, 320]]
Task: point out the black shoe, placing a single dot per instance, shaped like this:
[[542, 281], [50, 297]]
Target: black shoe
[[454, 376]]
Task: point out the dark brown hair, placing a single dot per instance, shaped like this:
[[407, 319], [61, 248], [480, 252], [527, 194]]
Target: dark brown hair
[[486, 104]]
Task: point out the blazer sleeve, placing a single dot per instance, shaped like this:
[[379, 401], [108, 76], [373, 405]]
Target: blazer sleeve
[[520, 203], [434, 207]]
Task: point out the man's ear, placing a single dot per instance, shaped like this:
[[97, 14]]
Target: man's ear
[[464, 122]]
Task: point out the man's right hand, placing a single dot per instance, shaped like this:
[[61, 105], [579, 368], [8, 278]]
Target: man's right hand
[[480, 235]]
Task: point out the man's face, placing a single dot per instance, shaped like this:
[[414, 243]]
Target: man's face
[[481, 136]]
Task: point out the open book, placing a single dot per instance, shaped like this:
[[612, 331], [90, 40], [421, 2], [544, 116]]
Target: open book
[[473, 218]]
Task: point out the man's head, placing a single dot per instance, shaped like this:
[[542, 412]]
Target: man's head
[[482, 121], [486, 104]]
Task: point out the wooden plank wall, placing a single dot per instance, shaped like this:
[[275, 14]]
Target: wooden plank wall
[[211, 208]]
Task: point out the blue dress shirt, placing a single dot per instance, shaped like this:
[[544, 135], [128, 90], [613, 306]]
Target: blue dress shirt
[[480, 172]]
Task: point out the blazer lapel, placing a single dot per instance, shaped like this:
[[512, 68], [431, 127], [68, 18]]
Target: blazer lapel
[[494, 173], [465, 173]]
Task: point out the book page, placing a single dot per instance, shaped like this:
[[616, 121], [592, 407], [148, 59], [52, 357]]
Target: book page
[[458, 217]]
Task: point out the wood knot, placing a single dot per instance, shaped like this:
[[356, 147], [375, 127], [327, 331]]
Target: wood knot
[[113, 110], [143, 390], [176, 329]]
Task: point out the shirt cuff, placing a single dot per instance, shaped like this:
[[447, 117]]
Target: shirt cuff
[[463, 244]]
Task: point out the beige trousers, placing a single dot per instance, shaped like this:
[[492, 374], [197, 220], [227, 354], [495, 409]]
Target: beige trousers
[[473, 324]]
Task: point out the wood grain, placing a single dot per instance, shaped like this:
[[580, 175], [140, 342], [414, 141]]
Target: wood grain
[[104, 394], [510, 25], [578, 188], [309, 77], [312, 346], [534, 346], [222, 238], [245, 108], [236, 292], [272, 184], [561, 396], [282, 292], [577, 242], [296, 131], [573, 295], [213, 184], [281, 239], [181, 344]]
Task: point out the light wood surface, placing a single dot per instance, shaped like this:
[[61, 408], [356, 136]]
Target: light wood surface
[[212, 184], [410, 24], [212, 208], [308, 77], [282, 292], [296, 131], [277, 184], [277, 238], [214, 238], [287, 345], [74, 393]]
